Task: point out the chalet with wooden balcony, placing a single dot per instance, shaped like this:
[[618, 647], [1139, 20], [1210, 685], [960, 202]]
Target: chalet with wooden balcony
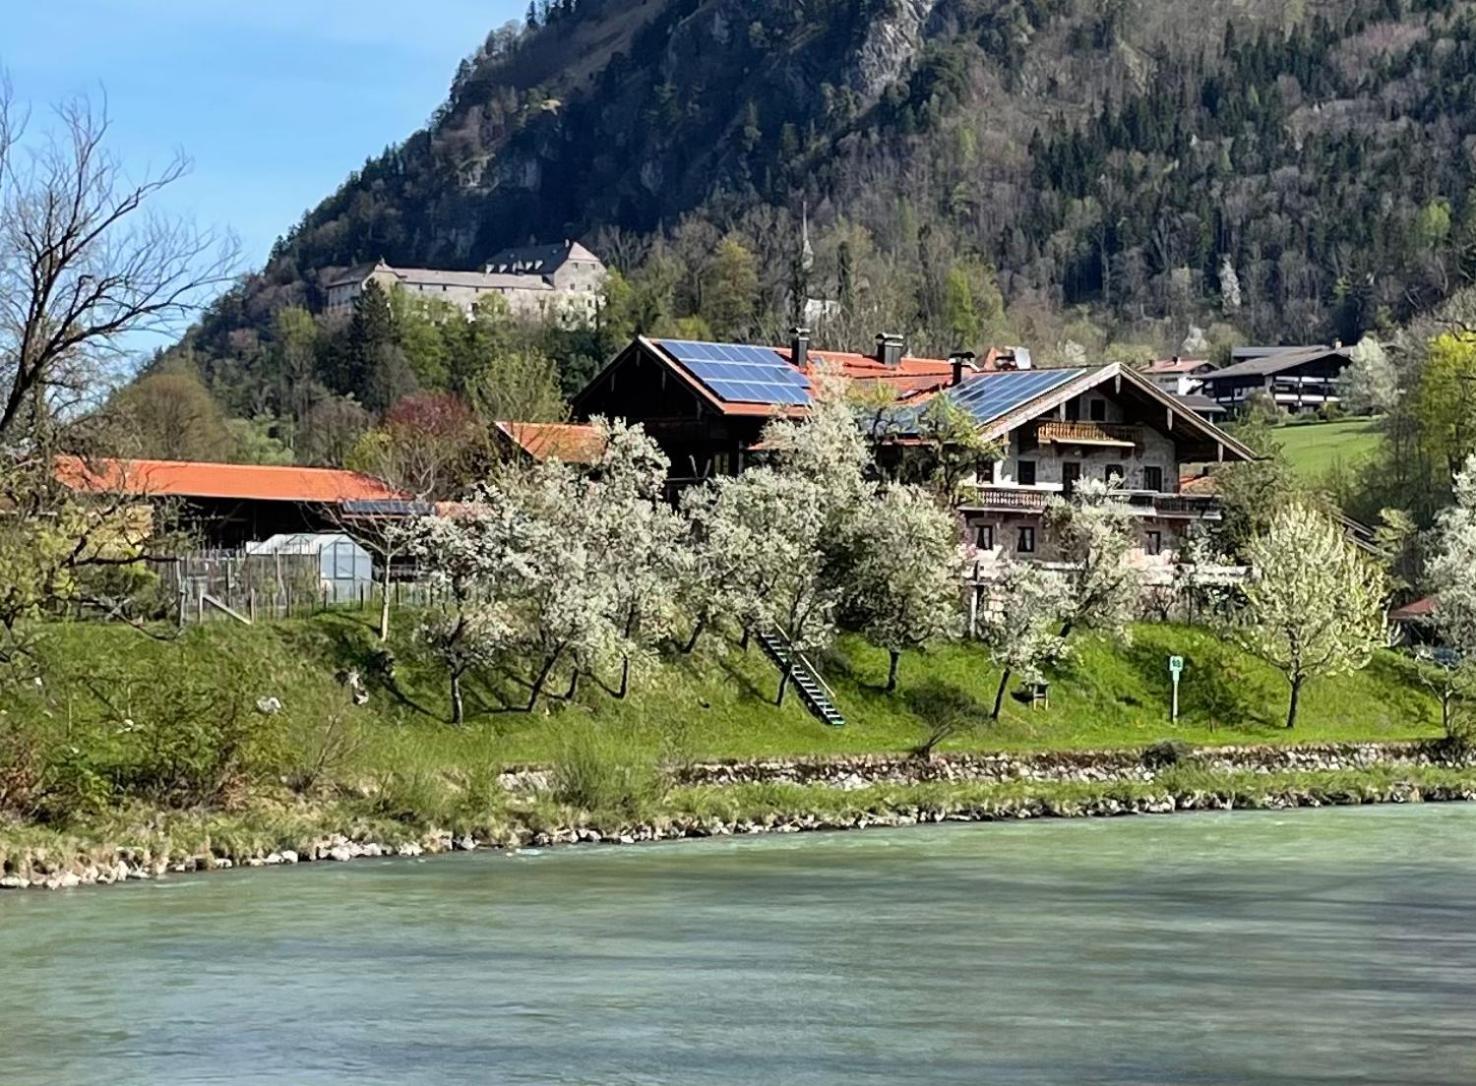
[[707, 403], [1056, 428], [1296, 379]]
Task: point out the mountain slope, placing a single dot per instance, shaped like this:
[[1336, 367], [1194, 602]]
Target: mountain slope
[[1294, 171]]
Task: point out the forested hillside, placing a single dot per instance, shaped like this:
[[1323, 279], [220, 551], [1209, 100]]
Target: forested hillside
[[1087, 177]]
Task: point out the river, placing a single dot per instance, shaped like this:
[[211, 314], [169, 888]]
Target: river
[[1330, 946]]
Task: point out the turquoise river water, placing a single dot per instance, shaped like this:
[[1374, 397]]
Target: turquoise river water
[[1331, 946]]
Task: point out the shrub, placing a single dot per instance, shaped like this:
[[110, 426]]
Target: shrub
[[183, 732], [945, 710], [416, 795], [597, 772], [1166, 753]]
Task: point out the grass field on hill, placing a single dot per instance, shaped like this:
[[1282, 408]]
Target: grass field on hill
[[243, 740], [1314, 448], [718, 702]]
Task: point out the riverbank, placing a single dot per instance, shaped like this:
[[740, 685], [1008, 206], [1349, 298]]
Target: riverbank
[[527, 808], [309, 739]]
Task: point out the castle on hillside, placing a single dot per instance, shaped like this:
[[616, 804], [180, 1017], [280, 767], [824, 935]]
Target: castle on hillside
[[562, 279]]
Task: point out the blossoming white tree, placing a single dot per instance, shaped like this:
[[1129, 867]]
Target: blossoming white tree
[[903, 577], [1453, 672], [1021, 624], [1452, 570], [1314, 605], [1370, 384], [472, 575], [1093, 533], [636, 540]]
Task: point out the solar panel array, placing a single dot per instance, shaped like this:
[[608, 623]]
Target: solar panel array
[[739, 373], [990, 395], [985, 397]]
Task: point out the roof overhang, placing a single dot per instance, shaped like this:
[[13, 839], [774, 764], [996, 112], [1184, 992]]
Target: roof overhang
[[1175, 413], [649, 348]]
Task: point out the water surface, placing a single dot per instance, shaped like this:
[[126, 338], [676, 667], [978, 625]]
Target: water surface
[[1332, 946]]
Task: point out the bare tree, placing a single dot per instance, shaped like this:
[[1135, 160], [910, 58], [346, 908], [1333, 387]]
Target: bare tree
[[84, 262]]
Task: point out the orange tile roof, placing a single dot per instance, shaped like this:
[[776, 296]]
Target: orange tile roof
[[909, 376], [572, 443], [1421, 608], [1199, 483], [195, 479]]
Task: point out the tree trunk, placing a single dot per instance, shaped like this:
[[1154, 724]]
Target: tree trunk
[[573, 685], [784, 675], [1296, 696], [384, 604], [744, 643], [624, 678], [1004, 683], [691, 644], [537, 688], [458, 708], [896, 658]]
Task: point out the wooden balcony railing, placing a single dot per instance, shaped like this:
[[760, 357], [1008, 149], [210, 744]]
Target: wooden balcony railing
[[1011, 499], [1088, 433], [1008, 499]]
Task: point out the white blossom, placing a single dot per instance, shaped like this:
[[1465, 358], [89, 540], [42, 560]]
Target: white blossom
[[1021, 623], [1313, 605], [903, 575]]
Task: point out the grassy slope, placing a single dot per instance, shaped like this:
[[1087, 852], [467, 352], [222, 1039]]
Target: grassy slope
[[1314, 448], [719, 702]]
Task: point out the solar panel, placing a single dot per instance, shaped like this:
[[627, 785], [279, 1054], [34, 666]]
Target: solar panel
[[985, 397], [990, 395], [739, 373]]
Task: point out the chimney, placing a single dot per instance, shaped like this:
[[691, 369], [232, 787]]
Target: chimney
[[889, 347], [799, 346], [960, 359]]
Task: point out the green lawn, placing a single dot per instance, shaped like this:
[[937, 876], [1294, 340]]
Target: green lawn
[[130, 740], [1314, 448], [719, 702]]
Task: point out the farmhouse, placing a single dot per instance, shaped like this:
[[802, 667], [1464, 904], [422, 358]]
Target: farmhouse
[[707, 403], [229, 505]]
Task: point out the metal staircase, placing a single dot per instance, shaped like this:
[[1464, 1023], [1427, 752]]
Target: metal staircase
[[817, 697]]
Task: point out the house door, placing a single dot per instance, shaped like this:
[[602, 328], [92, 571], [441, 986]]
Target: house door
[[1070, 476]]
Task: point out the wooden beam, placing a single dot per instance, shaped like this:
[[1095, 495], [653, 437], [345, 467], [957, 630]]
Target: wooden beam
[[1220, 451], [1168, 418]]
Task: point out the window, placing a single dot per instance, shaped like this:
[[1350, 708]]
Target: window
[[342, 561], [1153, 479], [1155, 542], [984, 537], [987, 472], [1073, 409], [1025, 474], [1070, 476], [1025, 541], [1115, 471], [1099, 410]]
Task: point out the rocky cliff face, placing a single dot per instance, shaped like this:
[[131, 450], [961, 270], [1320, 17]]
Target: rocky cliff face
[[889, 47]]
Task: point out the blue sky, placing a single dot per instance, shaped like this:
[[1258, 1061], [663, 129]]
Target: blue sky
[[274, 100]]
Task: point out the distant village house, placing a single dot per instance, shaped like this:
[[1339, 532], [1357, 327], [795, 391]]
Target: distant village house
[[1295, 379]]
